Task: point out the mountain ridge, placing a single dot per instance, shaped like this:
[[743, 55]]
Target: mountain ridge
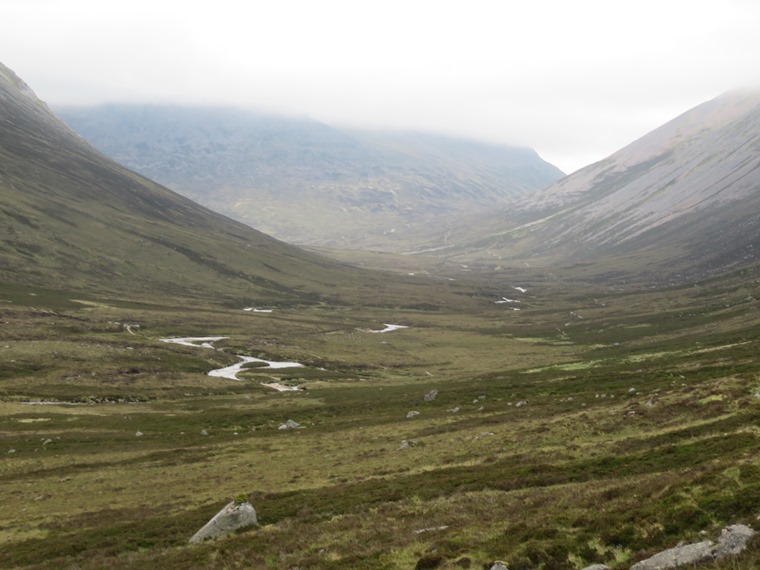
[[693, 177], [72, 217], [309, 183]]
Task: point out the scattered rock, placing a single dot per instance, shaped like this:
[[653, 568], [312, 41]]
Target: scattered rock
[[432, 395], [47, 441], [406, 444], [678, 556], [11, 451], [649, 403], [138, 433], [412, 414], [733, 541], [290, 424], [453, 410], [204, 432], [430, 529], [234, 516], [482, 434], [521, 403]]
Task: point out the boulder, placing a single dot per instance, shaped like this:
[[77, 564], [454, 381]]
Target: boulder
[[432, 395], [678, 556], [597, 567], [733, 541], [412, 414], [499, 565], [290, 424], [234, 516]]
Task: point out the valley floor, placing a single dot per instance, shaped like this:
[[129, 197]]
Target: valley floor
[[597, 424]]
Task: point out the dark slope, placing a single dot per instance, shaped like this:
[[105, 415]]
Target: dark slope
[[70, 217], [687, 193], [306, 182]]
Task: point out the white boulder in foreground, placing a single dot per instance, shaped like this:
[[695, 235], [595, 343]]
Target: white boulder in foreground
[[732, 542], [678, 556], [234, 516]]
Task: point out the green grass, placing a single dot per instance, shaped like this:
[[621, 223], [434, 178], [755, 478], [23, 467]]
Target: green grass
[[640, 431]]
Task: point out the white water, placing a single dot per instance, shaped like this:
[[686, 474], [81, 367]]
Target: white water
[[389, 328], [231, 372], [280, 387], [194, 340]]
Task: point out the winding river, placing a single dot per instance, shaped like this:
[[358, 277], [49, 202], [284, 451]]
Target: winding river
[[232, 371]]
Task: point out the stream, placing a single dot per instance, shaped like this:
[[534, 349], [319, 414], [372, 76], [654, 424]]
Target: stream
[[231, 372]]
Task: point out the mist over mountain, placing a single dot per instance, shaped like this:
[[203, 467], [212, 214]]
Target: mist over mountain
[[305, 182], [351, 419], [73, 217]]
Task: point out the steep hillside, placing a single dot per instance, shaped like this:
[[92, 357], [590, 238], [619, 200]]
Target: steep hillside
[[70, 217], [686, 191], [306, 182]]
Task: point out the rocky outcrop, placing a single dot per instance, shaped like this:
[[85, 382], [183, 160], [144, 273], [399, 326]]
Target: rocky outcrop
[[678, 556], [432, 395], [290, 424], [234, 516], [732, 542]]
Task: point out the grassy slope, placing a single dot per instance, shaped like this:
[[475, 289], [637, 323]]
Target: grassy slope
[[682, 197], [573, 477], [71, 217]]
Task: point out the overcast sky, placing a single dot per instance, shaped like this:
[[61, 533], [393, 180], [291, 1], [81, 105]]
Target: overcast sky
[[574, 79]]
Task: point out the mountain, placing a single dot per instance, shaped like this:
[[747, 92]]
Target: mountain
[[688, 191], [308, 183], [71, 217]]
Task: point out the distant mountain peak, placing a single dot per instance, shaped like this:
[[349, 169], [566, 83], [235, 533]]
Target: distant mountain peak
[[309, 183]]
